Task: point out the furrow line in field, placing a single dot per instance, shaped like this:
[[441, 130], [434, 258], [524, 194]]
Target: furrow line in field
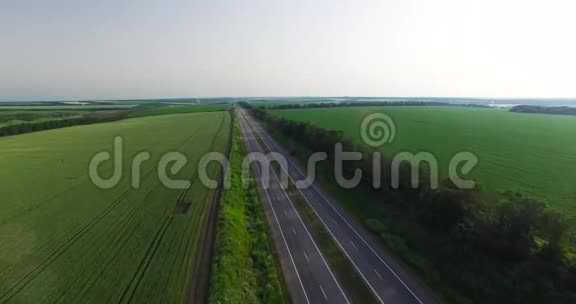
[[145, 262], [118, 234], [125, 226], [141, 274], [184, 194], [32, 274]]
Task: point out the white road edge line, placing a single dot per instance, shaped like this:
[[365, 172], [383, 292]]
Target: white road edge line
[[322, 289], [378, 274]]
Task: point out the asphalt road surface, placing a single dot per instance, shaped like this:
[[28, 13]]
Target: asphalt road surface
[[307, 274], [384, 276]]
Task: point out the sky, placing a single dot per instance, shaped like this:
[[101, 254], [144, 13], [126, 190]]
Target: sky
[[122, 49]]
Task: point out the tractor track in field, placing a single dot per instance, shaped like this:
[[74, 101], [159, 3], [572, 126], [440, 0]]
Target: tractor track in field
[[199, 282], [145, 262], [158, 237], [181, 205], [38, 269], [17, 287]]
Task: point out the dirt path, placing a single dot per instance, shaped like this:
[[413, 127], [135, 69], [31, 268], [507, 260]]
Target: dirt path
[[200, 278]]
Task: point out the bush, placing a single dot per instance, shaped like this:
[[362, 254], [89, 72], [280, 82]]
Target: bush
[[375, 226]]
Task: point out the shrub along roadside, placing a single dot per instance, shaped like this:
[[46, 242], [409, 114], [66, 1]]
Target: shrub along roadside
[[243, 267], [489, 248]]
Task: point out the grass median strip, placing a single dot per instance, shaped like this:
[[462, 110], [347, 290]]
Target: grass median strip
[[243, 269]]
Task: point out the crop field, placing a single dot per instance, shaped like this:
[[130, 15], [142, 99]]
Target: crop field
[[532, 154], [180, 109], [63, 239]]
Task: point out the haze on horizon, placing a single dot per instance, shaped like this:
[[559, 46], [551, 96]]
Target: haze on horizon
[[110, 49]]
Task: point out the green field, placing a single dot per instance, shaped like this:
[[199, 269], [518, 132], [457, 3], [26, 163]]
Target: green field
[[530, 153], [62, 239], [180, 109]]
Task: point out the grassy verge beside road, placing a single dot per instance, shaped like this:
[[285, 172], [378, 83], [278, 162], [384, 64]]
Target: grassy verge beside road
[[243, 269]]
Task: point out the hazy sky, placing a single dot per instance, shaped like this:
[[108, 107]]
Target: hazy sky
[[77, 49]]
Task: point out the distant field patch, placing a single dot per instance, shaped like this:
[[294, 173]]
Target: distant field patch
[[530, 153], [76, 107], [292, 102], [180, 109]]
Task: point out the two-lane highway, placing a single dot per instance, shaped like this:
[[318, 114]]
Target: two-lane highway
[[308, 275], [382, 274]]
